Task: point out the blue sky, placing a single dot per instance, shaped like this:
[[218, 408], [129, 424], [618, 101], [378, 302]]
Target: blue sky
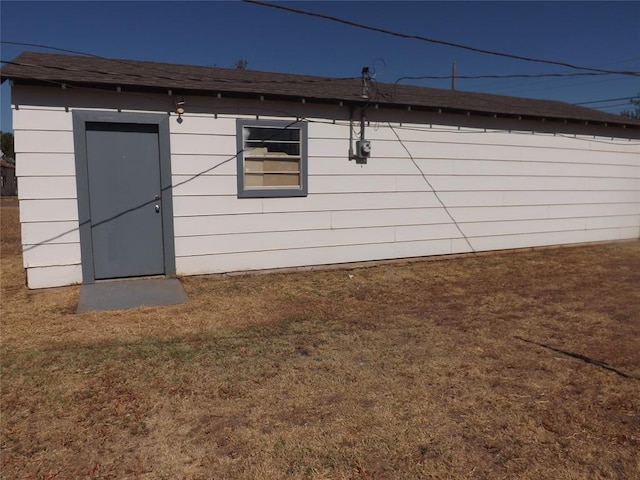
[[596, 34]]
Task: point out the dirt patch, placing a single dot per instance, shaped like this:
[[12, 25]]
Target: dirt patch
[[458, 369]]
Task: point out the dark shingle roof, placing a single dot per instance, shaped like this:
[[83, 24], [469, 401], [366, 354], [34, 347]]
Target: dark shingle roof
[[47, 68]]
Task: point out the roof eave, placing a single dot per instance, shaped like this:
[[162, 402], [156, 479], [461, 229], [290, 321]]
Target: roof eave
[[356, 102]]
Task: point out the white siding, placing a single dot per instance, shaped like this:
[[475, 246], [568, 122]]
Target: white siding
[[36, 233], [57, 276], [48, 198], [46, 165], [256, 260], [499, 189], [32, 141], [40, 188], [49, 253], [49, 210], [504, 190]]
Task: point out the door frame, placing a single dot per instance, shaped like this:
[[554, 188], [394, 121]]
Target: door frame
[[80, 119]]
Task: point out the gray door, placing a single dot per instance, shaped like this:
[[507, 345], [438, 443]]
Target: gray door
[[123, 164]]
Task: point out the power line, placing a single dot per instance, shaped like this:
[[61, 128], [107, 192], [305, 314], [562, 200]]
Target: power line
[[604, 107], [546, 82], [436, 41], [607, 100], [49, 47], [517, 75], [520, 89]]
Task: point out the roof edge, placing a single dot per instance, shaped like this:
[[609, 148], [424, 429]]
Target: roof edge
[[46, 69]]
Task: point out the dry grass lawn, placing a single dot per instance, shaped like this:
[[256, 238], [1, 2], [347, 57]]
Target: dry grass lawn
[[505, 366]]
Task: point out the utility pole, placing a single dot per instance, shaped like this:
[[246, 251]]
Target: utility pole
[[453, 76], [365, 85]]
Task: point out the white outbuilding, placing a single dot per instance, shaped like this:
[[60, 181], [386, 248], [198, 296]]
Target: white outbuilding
[[136, 169]]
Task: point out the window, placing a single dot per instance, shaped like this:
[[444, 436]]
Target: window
[[273, 158]]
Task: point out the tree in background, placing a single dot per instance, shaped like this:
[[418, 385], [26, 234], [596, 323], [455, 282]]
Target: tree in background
[[241, 64], [7, 144], [635, 111]]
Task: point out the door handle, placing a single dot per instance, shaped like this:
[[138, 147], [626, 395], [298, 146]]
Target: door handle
[[157, 208]]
